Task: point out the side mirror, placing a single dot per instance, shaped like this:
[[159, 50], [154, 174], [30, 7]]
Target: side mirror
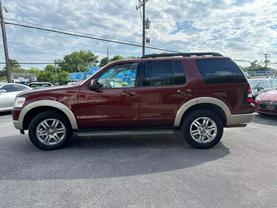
[[2, 91], [94, 85]]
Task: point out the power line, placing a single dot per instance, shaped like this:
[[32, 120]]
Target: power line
[[240, 60], [86, 36], [32, 63]]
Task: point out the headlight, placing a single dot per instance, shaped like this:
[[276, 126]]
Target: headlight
[[19, 101]]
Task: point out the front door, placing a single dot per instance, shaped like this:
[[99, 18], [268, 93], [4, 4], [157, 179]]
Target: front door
[[115, 104]]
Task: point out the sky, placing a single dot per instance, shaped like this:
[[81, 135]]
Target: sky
[[240, 29]]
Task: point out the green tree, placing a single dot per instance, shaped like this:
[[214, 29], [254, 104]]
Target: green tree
[[34, 70], [78, 61], [104, 61], [117, 57], [63, 77], [45, 76], [51, 68], [15, 66], [254, 66]]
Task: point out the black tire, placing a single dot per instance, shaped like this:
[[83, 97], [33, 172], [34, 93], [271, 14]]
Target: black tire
[[49, 115], [196, 114]]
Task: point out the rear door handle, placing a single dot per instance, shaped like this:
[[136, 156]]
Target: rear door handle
[[186, 92], [132, 93]]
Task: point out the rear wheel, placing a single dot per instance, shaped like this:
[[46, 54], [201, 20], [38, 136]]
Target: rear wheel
[[202, 128], [50, 130]]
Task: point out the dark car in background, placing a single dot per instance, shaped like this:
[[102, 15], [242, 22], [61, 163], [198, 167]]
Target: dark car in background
[[260, 85]]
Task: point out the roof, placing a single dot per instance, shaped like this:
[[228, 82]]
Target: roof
[[195, 54]]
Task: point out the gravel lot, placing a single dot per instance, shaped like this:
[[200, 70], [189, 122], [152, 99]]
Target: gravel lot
[[158, 171]]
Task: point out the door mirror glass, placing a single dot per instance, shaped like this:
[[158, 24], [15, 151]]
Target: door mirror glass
[[2, 91]]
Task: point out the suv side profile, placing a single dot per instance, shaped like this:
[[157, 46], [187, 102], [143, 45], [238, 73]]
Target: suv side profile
[[197, 94]]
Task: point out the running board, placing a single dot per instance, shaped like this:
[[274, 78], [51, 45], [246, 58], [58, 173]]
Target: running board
[[125, 132]]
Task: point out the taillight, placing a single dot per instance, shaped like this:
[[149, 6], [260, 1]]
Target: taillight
[[249, 96]]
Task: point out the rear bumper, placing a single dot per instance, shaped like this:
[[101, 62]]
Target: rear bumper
[[236, 119]]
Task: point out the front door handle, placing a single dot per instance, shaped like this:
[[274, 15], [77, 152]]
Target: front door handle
[[124, 93], [132, 93]]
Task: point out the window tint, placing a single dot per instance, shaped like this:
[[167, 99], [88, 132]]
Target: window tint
[[13, 88], [274, 83], [158, 73], [119, 76], [179, 73], [265, 84], [163, 73], [220, 71]]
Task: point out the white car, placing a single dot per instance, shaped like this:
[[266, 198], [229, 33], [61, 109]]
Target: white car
[[8, 92]]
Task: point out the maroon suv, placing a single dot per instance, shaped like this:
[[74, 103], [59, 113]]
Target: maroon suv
[[197, 94]]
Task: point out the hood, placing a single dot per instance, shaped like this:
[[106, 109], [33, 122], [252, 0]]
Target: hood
[[271, 95], [48, 89]]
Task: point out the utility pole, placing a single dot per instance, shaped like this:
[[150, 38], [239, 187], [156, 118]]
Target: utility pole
[[266, 60], [142, 5], [108, 53], [5, 43]]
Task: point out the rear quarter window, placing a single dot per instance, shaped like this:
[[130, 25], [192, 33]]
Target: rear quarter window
[[220, 71]]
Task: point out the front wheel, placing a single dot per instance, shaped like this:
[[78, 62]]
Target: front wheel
[[50, 130], [202, 128]]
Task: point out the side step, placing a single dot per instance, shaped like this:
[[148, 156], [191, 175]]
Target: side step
[[125, 132]]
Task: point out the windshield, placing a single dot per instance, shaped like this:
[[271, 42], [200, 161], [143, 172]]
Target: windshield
[[254, 82]]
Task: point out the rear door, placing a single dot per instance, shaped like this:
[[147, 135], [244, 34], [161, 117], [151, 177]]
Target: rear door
[[164, 89]]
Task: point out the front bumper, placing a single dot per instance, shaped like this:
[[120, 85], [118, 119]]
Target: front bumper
[[17, 125]]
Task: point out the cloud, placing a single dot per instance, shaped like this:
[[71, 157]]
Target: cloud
[[241, 29]]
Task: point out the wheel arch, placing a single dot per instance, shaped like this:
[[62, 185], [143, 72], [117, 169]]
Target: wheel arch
[[32, 109], [209, 103]]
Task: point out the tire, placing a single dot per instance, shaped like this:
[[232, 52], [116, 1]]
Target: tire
[[204, 136], [54, 136]]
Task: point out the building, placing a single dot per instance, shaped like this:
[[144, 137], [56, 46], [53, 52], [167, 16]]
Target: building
[[23, 78]]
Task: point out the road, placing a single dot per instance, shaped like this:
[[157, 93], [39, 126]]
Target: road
[[155, 171]]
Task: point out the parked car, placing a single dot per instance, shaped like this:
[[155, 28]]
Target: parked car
[[40, 85], [266, 103], [8, 93], [197, 94], [261, 85]]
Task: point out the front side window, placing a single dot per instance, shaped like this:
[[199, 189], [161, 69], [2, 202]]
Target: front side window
[[120, 76]]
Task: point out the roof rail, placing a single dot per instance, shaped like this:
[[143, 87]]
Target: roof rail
[[181, 54]]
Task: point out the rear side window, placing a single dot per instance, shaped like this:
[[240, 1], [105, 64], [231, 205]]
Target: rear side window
[[220, 71], [163, 73]]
